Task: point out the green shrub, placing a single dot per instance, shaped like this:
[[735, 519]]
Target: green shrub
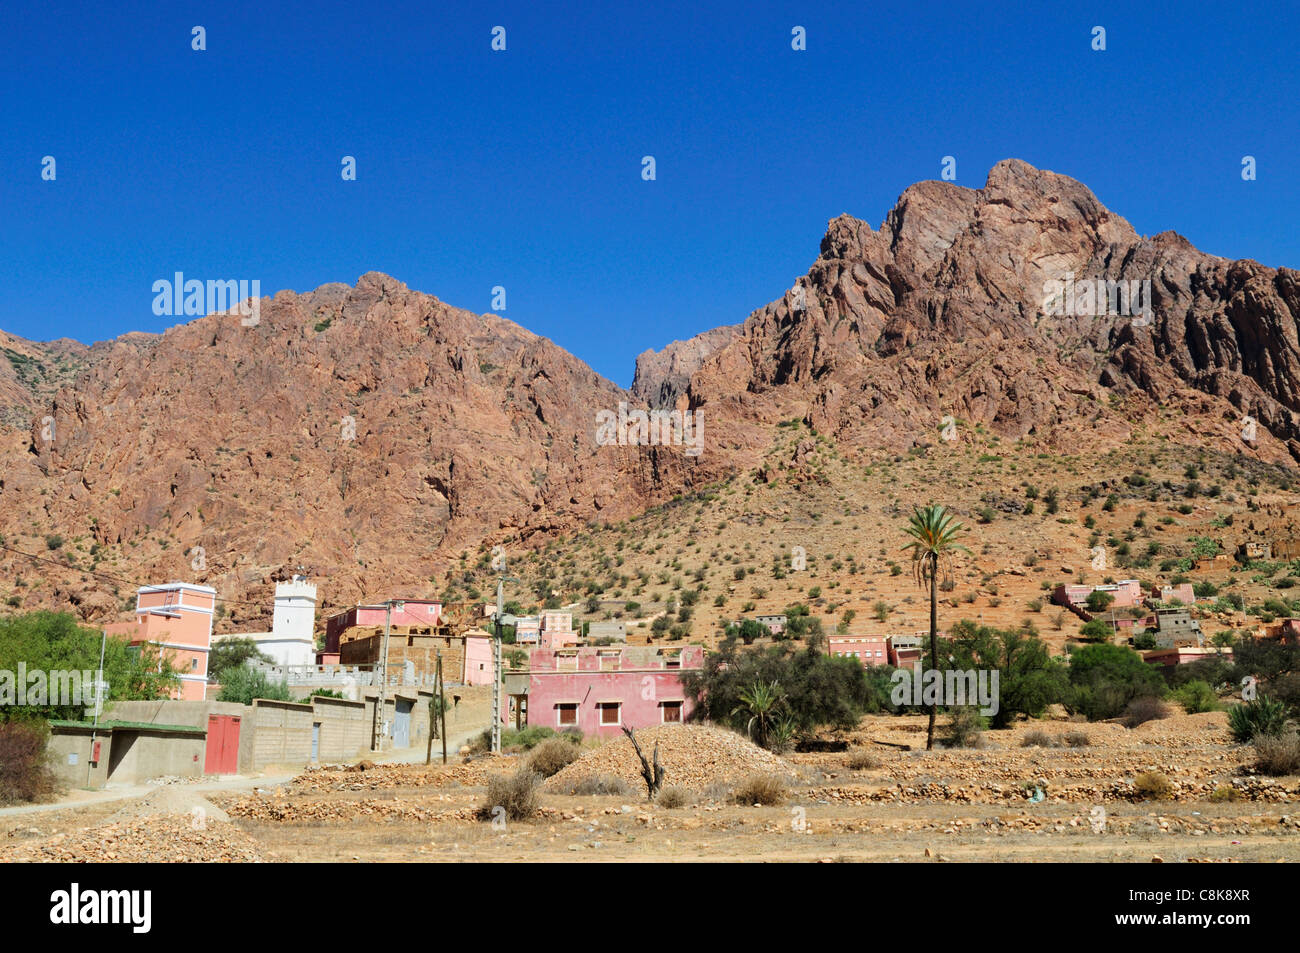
[[241, 685], [517, 794], [965, 728], [1262, 716], [1196, 696], [1225, 792]]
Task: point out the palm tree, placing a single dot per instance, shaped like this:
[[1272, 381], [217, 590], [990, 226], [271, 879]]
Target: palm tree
[[934, 533], [761, 700]]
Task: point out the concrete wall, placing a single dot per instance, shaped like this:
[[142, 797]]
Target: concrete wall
[[195, 713], [127, 755], [345, 727], [282, 733]]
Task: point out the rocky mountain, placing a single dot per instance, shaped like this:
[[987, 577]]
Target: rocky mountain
[[371, 434], [375, 434], [662, 376], [950, 308]]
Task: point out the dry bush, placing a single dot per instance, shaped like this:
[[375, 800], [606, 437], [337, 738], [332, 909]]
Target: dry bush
[[1225, 792], [673, 797], [1076, 739], [610, 784], [516, 793], [765, 789], [24, 775], [862, 760], [1037, 739], [1144, 709], [1153, 786], [553, 755], [1278, 754]]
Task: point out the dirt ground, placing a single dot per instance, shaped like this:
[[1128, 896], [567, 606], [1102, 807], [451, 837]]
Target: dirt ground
[[898, 806]]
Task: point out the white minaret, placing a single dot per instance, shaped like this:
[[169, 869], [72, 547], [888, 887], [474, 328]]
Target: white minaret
[[294, 620]]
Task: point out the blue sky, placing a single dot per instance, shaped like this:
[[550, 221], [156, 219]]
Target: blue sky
[[523, 168]]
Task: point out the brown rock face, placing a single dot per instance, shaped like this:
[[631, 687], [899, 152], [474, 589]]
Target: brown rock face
[[950, 309], [404, 432], [662, 376], [373, 451]]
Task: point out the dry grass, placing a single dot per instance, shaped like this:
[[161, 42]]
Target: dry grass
[[763, 789], [517, 794]]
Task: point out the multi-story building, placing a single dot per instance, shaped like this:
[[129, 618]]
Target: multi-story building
[[176, 618], [867, 649], [598, 689]]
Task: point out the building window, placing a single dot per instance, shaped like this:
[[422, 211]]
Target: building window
[[609, 712], [672, 712], [567, 714]]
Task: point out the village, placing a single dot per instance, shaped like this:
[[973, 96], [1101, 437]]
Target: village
[[595, 678]]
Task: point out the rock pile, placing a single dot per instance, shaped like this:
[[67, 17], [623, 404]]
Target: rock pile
[[693, 756], [159, 838]]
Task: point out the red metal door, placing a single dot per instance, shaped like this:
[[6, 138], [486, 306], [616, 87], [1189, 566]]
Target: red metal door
[[221, 754]]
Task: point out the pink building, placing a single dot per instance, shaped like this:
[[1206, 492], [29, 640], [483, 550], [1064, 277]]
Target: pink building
[[557, 631], [478, 659], [1183, 593], [597, 689], [414, 612], [867, 649], [905, 651], [177, 618], [1126, 593]]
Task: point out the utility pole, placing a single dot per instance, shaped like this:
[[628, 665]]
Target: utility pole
[[442, 708], [99, 701], [496, 668], [381, 675]]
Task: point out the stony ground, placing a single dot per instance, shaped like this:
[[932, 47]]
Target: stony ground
[[898, 805]]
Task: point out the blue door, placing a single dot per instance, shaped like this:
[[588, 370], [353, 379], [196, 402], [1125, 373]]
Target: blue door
[[402, 724]]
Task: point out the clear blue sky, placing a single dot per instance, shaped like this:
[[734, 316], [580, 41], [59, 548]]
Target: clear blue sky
[[522, 168]]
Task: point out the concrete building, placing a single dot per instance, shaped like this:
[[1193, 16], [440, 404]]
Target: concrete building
[[83, 755], [867, 649], [557, 631], [1175, 628], [616, 631], [775, 623], [905, 650], [177, 619], [1183, 593], [418, 614], [527, 629], [598, 689]]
